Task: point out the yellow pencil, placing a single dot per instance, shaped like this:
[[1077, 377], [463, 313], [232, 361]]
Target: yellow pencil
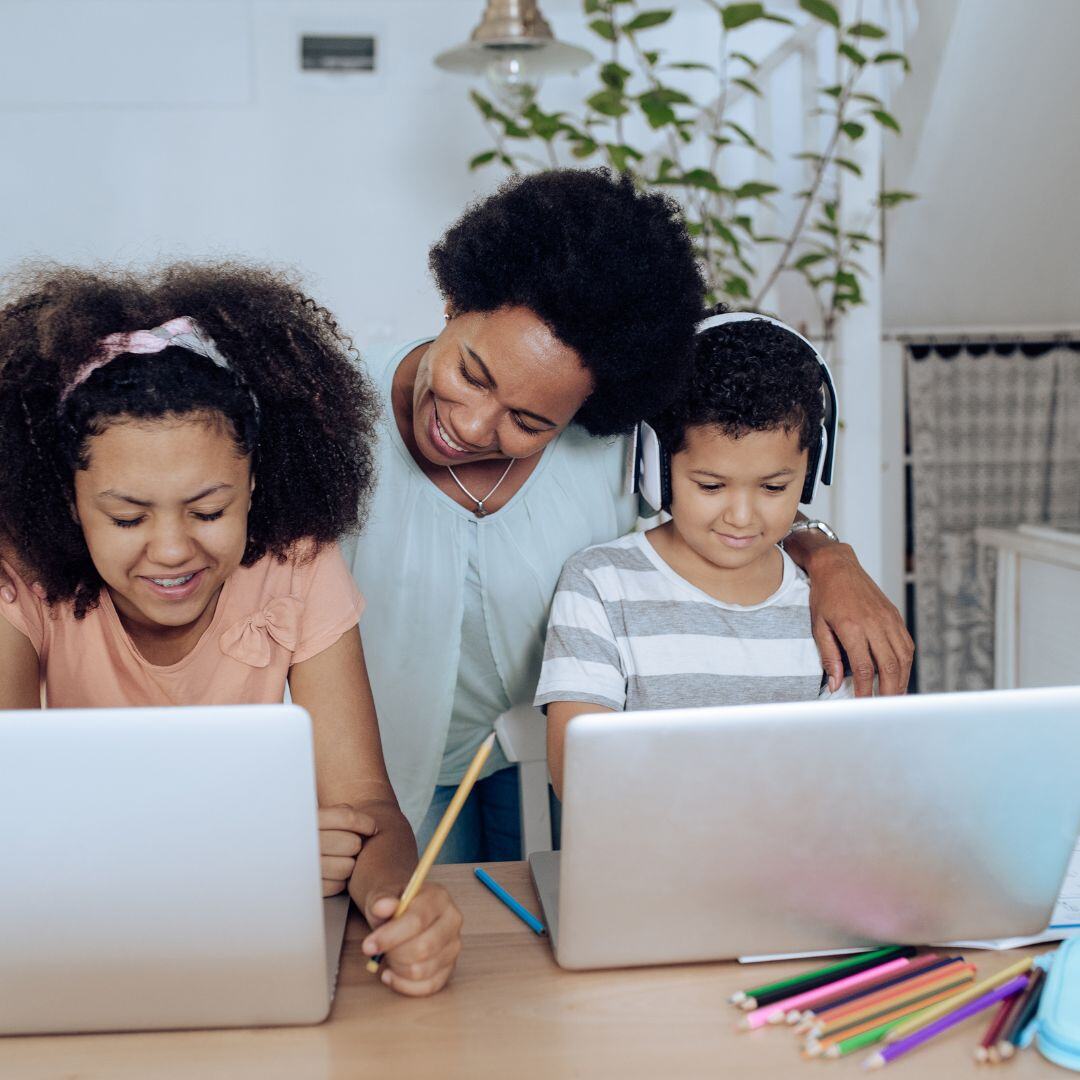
[[962, 998], [431, 852]]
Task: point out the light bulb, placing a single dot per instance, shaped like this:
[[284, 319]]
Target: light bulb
[[508, 77]]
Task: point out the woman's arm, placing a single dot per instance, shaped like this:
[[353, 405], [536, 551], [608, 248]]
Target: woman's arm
[[19, 674], [848, 609], [422, 946]]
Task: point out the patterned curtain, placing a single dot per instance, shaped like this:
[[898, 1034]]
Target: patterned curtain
[[995, 440]]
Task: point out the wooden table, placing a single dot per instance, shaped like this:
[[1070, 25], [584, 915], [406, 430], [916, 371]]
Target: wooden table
[[509, 1012]]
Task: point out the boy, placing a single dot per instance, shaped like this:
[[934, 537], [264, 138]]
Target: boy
[[707, 608]]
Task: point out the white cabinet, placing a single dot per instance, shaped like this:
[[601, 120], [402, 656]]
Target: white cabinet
[[1037, 605]]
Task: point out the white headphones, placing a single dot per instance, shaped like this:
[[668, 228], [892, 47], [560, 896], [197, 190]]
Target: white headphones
[[652, 475]]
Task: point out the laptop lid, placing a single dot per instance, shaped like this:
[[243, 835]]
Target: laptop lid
[[711, 833], [160, 868]]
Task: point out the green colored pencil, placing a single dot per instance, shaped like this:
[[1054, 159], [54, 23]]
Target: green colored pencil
[[867, 1038], [840, 965]]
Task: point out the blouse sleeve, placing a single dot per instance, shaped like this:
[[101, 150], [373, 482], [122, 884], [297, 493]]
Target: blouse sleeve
[[332, 603], [27, 614]]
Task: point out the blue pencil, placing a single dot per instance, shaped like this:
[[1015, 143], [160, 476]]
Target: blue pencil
[[527, 917]]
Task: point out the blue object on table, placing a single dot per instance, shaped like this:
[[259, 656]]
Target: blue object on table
[[526, 916], [1057, 1026]]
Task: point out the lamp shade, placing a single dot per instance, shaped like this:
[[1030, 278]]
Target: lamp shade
[[514, 30]]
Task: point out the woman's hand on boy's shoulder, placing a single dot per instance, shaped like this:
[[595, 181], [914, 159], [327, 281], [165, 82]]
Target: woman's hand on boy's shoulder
[[7, 583], [848, 609], [421, 948]]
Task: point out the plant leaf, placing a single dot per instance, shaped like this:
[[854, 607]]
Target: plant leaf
[[853, 130], [807, 260], [736, 15], [754, 189], [746, 84], [866, 30], [852, 54], [737, 286], [889, 199], [885, 119], [604, 28], [701, 178], [750, 62], [823, 10], [893, 58], [688, 66], [482, 159], [608, 103], [622, 155], [851, 167], [646, 20]]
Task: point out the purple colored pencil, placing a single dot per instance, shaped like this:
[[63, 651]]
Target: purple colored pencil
[[917, 1038]]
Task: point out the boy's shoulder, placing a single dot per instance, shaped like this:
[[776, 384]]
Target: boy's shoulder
[[625, 553]]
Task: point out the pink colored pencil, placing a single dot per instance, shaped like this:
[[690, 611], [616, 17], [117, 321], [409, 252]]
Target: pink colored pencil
[[774, 1013]]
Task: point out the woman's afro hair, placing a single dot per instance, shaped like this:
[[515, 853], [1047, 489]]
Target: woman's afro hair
[[608, 267], [748, 376], [310, 435]]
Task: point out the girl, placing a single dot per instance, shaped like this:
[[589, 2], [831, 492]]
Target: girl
[[178, 457]]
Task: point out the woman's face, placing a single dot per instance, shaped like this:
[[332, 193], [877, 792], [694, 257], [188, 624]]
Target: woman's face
[[163, 506], [495, 385]]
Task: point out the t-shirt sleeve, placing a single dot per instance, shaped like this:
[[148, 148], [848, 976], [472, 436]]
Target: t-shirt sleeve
[[332, 603], [581, 658], [28, 613]]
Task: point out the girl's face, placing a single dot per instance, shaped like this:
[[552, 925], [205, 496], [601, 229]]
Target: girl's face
[[495, 385], [163, 506]]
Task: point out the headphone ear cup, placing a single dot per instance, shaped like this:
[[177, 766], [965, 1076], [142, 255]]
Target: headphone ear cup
[[652, 468], [813, 470]]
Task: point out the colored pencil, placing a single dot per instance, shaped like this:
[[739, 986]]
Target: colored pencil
[[438, 838], [773, 992], [1009, 1041], [919, 966], [987, 1048], [843, 1014], [526, 916], [925, 1033], [842, 1047], [775, 1013], [891, 1008], [978, 989]]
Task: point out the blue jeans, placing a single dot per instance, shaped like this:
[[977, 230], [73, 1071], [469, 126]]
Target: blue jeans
[[488, 829]]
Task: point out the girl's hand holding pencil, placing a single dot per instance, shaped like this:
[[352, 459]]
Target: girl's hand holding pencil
[[420, 947]]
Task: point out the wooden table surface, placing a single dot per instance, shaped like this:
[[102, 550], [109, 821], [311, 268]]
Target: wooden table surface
[[509, 1012]]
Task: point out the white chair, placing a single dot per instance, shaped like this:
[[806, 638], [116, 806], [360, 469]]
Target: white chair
[[522, 734]]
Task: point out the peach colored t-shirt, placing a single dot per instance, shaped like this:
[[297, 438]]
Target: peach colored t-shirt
[[268, 617]]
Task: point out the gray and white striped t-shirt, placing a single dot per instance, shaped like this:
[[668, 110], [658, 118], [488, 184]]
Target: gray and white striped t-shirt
[[626, 631]]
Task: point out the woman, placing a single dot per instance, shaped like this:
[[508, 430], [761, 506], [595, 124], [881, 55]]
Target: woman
[[571, 299]]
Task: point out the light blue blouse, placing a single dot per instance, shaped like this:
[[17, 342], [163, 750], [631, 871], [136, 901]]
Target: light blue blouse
[[411, 563]]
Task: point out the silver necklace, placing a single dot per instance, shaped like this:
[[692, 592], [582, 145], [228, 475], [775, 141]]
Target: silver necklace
[[480, 511]]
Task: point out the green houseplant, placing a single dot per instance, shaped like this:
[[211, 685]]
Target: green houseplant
[[688, 139]]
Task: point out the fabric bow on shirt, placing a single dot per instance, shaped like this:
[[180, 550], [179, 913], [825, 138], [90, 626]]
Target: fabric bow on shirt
[[249, 640]]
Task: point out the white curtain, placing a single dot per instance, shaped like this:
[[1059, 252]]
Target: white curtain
[[995, 440]]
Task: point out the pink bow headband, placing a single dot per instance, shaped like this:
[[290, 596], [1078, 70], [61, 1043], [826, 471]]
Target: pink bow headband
[[183, 332]]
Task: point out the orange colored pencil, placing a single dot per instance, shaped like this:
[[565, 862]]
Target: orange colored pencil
[[907, 987], [950, 984], [908, 1009]]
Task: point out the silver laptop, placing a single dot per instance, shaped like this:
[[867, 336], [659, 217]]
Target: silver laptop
[[710, 833], [160, 869]]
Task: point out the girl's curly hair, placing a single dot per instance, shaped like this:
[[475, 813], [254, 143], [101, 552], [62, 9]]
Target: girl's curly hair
[[610, 268], [311, 436]]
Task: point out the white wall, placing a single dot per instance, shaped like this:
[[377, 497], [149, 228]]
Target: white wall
[[141, 130], [993, 146]]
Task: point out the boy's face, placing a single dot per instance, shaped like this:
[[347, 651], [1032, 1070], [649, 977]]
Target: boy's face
[[734, 499]]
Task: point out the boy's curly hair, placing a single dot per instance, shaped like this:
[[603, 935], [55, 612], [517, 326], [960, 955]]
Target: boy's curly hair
[[608, 267], [747, 376], [311, 440]]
